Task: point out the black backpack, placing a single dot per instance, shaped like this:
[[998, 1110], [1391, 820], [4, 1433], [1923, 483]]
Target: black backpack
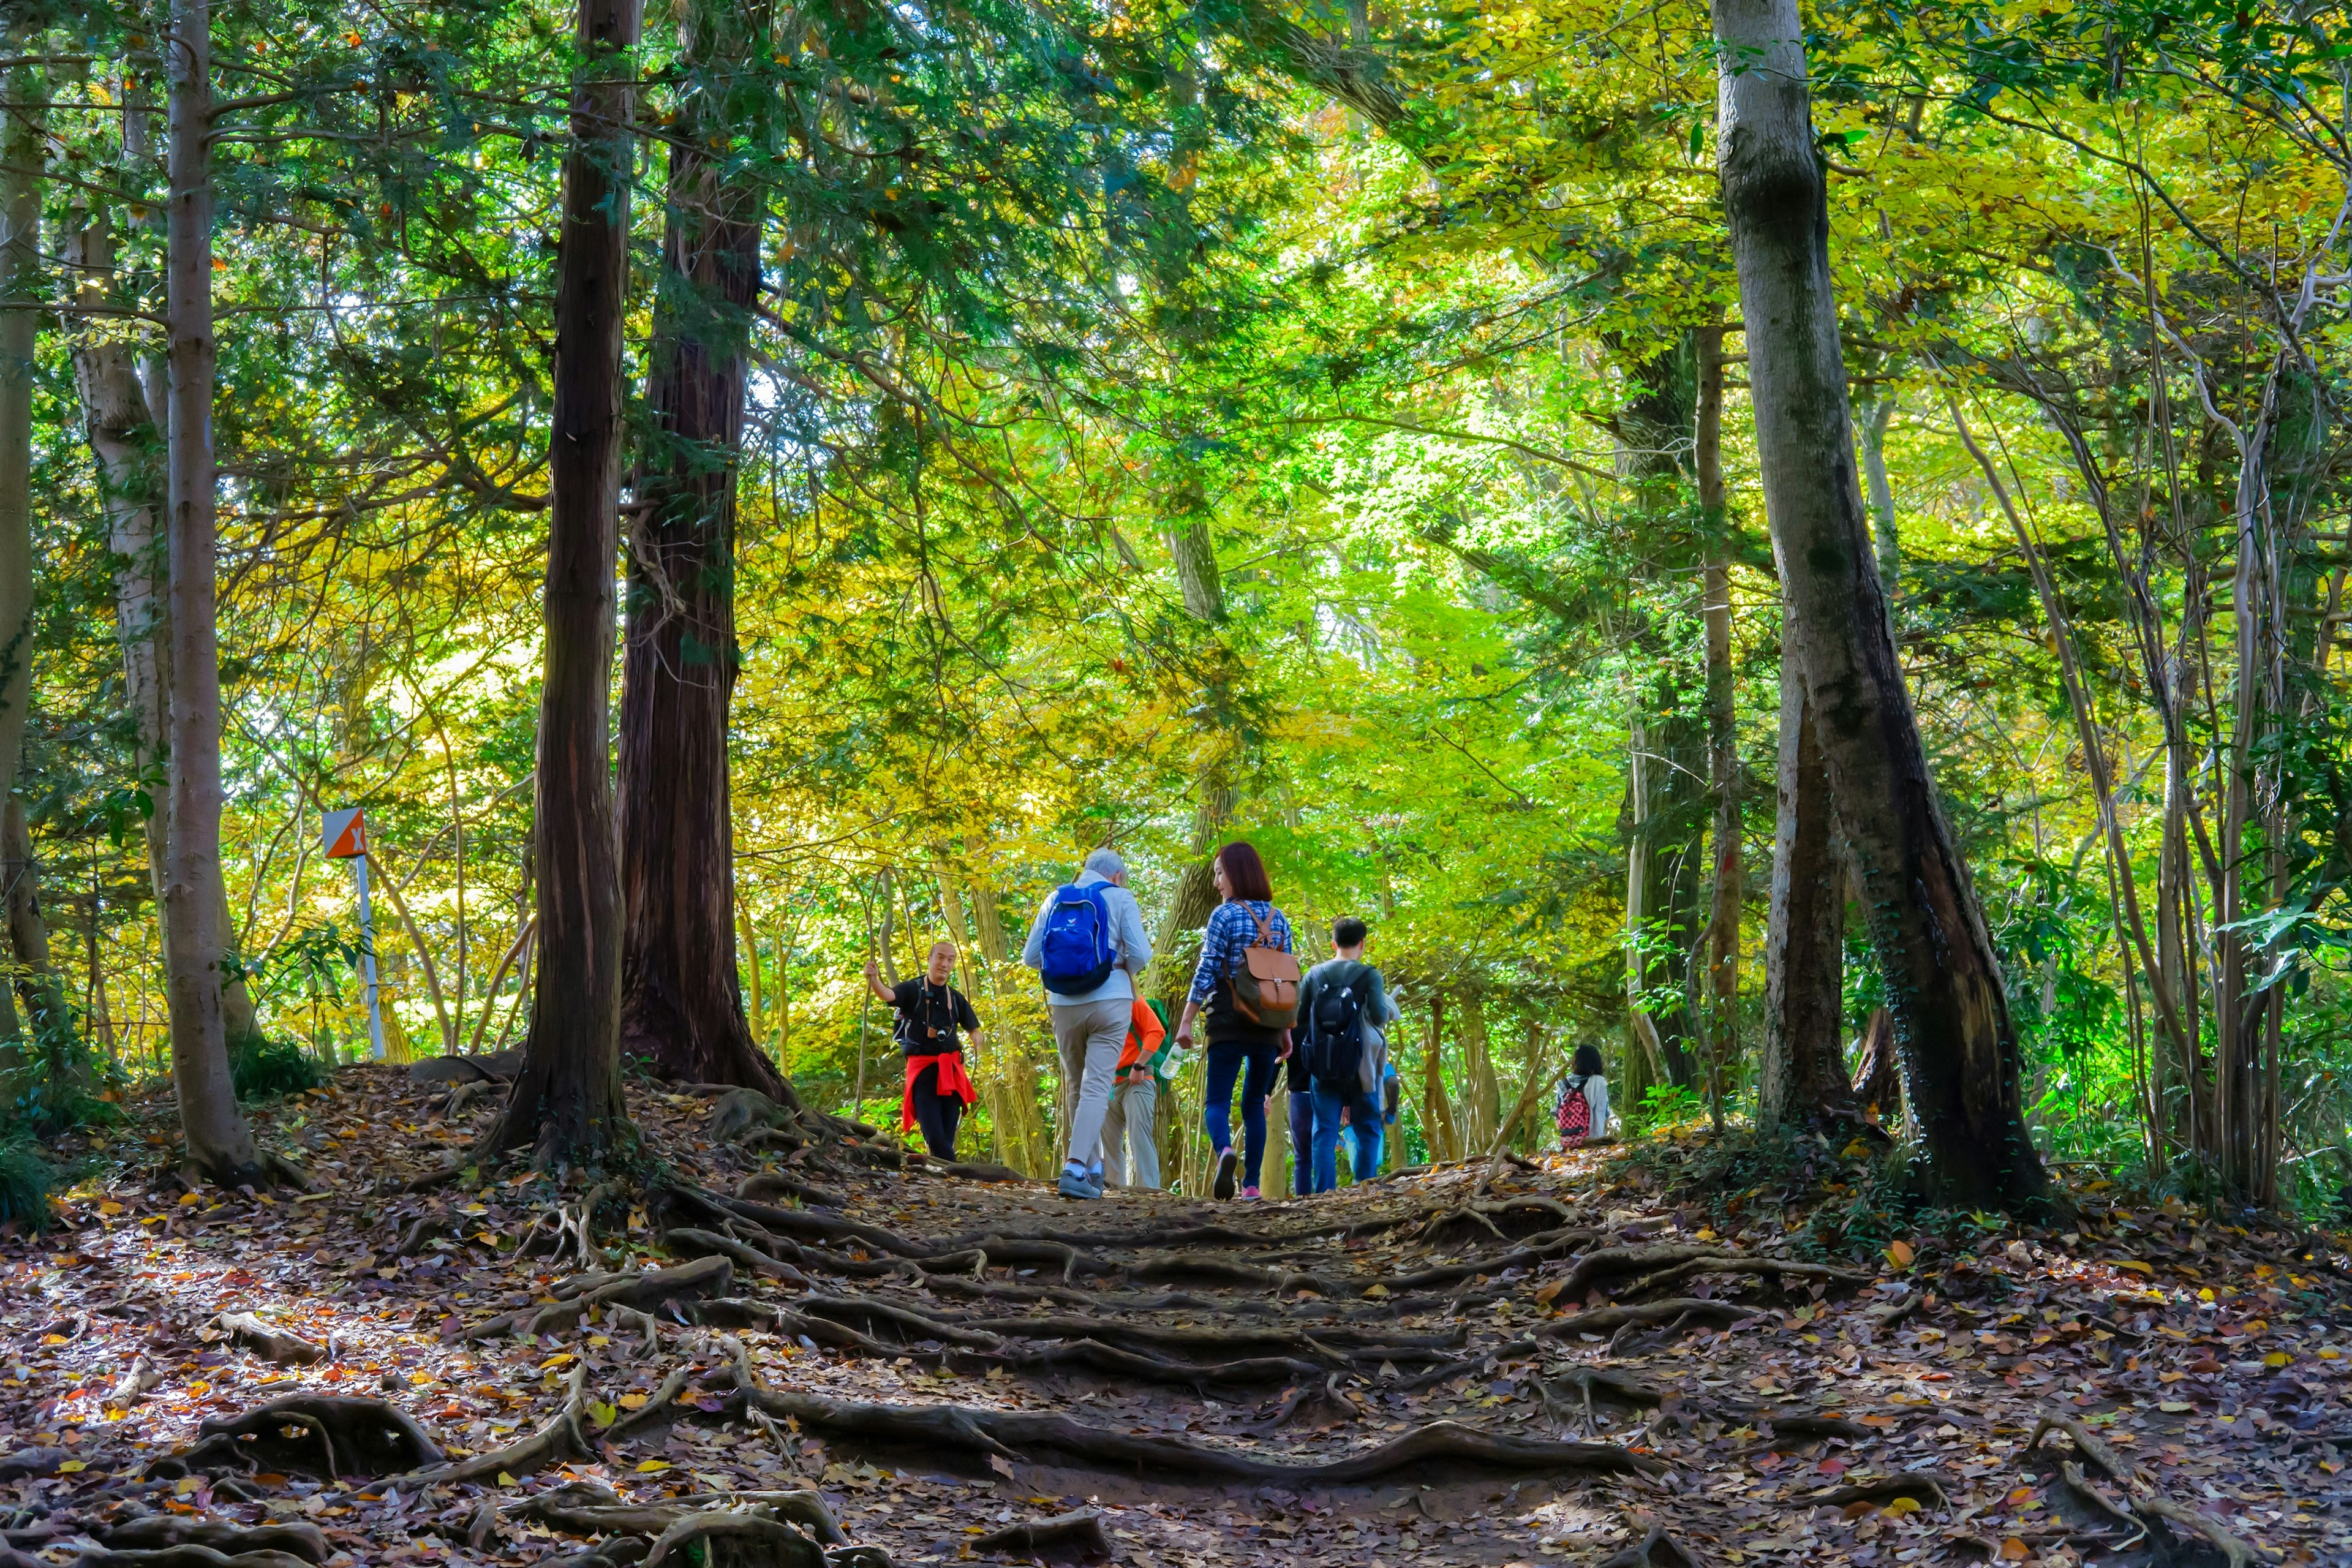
[[1334, 1039]]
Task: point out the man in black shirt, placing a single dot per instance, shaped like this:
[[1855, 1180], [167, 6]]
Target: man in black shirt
[[932, 1017]]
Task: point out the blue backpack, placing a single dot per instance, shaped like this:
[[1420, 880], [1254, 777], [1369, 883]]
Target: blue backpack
[[1077, 951]]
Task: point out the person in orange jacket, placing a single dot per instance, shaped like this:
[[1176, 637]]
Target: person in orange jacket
[[1130, 1137]]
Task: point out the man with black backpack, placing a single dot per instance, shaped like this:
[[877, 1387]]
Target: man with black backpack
[[1087, 946], [1342, 1008]]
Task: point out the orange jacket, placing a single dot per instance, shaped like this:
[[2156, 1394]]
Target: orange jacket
[[1144, 1032]]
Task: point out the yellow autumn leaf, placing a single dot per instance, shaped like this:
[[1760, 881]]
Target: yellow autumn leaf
[[2136, 1267], [2276, 1359], [604, 1415], [1902, 1505], [110, 1207], [631, 1402], [1377, 1292], [1899, 1254], [72, 1466], [653, 1467]]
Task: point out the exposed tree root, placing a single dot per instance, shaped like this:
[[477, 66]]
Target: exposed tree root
[[738, 1541], [982, 1171], [1014, 1435], [1315, 1403], [804, 1223], [189, 1557], [1657, 1266], [589, 1508], [1506, 1221], [644, 1292], [1066, 1537], [1322, 1341], [686, 1242], [318, 1434], [249, 1333], [1673, 1314], [1539, 1249], [561, 1438], [1656, 1549], [2144, 1500], [155, 1531]]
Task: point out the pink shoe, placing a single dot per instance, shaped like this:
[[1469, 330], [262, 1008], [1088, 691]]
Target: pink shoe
[[1249, 1194]]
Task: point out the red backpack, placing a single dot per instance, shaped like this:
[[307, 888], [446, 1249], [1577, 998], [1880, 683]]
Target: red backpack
[[1574, 1117]]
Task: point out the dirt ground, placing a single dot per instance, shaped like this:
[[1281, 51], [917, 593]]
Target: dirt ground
[[768, 1348]]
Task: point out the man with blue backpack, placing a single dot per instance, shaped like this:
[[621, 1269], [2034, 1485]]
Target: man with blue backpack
[[1087, 946], [1342, 1008]]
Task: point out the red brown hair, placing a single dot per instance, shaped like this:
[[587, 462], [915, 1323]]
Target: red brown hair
[[1244, 873]]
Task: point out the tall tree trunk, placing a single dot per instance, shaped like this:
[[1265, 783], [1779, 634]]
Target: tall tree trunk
[[21, 151], [567, 1102], [127, 444], [1482, 1090], [681, 998], [1959, 1051], [1877, 414], [1722, 730], [220, 1145], [1803, 1081], [39, 986], [1665, 858]]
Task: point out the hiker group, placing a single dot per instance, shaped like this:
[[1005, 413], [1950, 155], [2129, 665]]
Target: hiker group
[[1256, 1016]]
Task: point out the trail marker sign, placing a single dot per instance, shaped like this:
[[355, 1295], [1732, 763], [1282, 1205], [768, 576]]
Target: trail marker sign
[[346, 834]]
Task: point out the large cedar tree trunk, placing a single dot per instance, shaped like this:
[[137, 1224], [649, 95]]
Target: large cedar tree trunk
[[220, 1145], [567, 1102], [681, 998], [1960, 1057]]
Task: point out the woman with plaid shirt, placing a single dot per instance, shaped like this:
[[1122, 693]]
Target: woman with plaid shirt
[[1246, 917]]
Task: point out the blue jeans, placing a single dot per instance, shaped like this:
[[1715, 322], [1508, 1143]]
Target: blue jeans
[[1224, 1064], [1363, 1130], [1302, 1139]]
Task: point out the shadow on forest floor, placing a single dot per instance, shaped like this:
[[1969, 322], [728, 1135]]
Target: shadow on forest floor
[[1481, 1364]]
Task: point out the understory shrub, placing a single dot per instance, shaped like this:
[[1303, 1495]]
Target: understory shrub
[[26, 1182], [259, 1066]]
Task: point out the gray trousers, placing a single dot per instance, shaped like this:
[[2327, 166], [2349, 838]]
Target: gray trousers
[[1090, 1036], [1131, 1128]]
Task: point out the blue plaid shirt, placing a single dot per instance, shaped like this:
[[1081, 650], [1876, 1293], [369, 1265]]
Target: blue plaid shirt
[[1230, 930]]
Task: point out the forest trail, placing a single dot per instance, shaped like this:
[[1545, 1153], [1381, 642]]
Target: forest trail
[[1481, 1364]]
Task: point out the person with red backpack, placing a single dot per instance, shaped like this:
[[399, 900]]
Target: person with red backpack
[[1087, 946], [1247, 983], [1582, 1112]]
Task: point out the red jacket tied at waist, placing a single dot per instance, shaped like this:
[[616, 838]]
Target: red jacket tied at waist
[[953, 1080]]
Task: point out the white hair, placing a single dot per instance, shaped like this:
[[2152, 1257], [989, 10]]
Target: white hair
[[1106, 864]]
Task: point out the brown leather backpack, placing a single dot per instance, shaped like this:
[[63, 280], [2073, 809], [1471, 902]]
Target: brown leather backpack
[[1266, 987]]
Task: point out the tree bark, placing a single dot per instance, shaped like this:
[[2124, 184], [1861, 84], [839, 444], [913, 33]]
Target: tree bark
[[50, 1021], [1803, 1082], [39, 987], [567, 1102], [21, 151], [681, 993], [1877, 414], [220, 1145], [1722, 730], [680, 990], [1960, 1055]]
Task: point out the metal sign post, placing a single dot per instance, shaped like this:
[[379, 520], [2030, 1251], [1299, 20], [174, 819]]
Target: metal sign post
[[346, 839]]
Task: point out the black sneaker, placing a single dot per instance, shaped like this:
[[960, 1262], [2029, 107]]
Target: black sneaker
[[1226, 1162]]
